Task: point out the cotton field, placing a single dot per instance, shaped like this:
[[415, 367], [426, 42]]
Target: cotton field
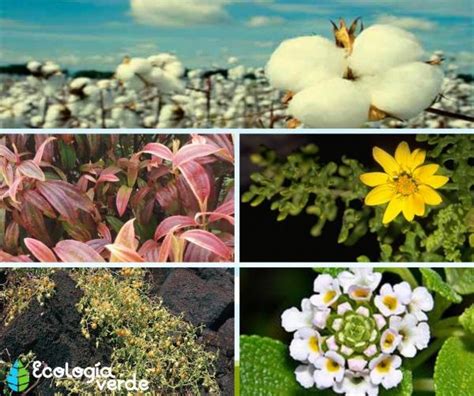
[[159, 92]]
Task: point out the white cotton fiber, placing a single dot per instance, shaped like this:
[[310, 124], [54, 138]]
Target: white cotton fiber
[[407, 90], [33, 66], [335, 103], [79, 82], [124, 72], [140, 65], [381, 47], [303, 61]]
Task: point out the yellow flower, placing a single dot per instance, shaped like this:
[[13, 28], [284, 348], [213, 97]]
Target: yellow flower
[[405, 184]]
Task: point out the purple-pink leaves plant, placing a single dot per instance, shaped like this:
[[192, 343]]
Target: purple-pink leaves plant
[[117, 198]]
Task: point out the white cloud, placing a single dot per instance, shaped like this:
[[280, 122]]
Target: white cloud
[[261, 21], [408, 23], [179, 13]]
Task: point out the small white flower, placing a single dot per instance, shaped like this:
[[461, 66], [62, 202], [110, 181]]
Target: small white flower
[[327, 289], [306, 345], [362, 277], [293, 319], [384, 370], [305, 375], [320, 317], [421, 302], [392, 301], [330, 369], [357, 363], [390, 340], [356, 384], [414, 335]]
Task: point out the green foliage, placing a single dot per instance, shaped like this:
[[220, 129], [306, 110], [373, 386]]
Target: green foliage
[[266, 369], [467, 319], [433, 281], [461, 279], [303, 184], [454, 368]]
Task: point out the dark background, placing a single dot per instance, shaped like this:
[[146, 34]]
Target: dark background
[[263, 239]]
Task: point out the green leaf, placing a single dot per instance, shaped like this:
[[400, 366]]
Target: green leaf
[[67, 154], [433, 281], [331, 271], [461, 279], [454, 368], [405, 388], [266, 369], [18, 377], [467, 319]]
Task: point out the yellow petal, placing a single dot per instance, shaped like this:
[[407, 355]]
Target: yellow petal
[[417, 158], [380, 195], [403, 155], [393, 209], [386, 161], [418, 204], [425, 171], [436, 181], [373, 179], [430, 196], [408, 209]]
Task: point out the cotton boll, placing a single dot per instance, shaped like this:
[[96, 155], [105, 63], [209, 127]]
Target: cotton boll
[[140, 66], [335, 103], [36, 121], [33, 66], [50, 68], [124, 72], [381, 47], [168, 63], [79, 83], [407, 90], [303, 61], [236, 73]]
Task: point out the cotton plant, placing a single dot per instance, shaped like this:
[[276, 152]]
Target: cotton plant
[[380, 73], [354, 333]]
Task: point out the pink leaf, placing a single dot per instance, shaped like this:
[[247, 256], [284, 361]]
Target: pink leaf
[[104, 231], [40, 150], [107, 178], [193, 151], [40, 250], [37, 200], [126, 235], [98, 244], [123, 254], [208, 241], [12, 191], [165, 249], [158, 150], [7, 153], [150, 251], [198, 180], [224, 211], [173, 223], [123, 196], [58, 199], [30, 169], [73, 251]]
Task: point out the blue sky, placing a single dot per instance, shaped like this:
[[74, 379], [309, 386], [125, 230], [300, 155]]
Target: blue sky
[[98, 33]]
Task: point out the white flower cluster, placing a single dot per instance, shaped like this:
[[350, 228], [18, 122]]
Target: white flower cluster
[[380, 73], [351, 338]]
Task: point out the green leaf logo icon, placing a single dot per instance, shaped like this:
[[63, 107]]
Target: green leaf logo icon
[[18, 377]]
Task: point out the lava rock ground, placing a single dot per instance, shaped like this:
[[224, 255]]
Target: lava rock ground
[[52, 331]]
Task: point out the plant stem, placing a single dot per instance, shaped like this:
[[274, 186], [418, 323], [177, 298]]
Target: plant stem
[[453, 321], [449, 114], [449, 332], [423, 384], [403, 273]]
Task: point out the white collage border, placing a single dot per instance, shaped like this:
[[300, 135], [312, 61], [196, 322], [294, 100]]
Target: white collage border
[[237, 265]]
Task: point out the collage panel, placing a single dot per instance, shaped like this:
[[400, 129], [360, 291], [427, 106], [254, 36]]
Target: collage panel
[[357, 331], [149, 197], [129, 331], [340, 197]]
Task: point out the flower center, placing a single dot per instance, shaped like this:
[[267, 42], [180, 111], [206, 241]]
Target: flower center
[[390, 302], [332, 366], [328, 296], [406, 185], [389, 339], [357, 331], [384, 366], [313, 344]]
